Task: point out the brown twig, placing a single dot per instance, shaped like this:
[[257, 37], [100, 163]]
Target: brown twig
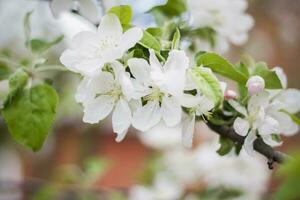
[[259, 145]]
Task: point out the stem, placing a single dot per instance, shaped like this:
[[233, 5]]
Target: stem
[[259, 145]]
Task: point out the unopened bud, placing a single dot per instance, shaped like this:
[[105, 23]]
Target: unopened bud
[[255, 84], [230, 94]]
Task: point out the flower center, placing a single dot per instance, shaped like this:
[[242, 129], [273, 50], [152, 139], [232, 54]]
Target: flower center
[[156, 94]]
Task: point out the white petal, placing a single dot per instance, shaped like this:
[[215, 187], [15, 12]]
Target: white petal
[[79, 63], [290, 98], [204, 106], [268, 126], [287, 126], [177, 60], [130, 38], [238, 107], [176, 66], [85, 42], [171, 111], [188, 100], [97, 109], [140, 69], [268, 140], [90, 87], [110, 26], [248, 143], [147, 116], [258, 100], [154, 62], [121, 118], [81, 93], [188, 131], [241, 126], [121, 136], [282, 76]]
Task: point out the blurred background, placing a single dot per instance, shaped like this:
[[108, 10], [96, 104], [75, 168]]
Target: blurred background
[[82, 161]]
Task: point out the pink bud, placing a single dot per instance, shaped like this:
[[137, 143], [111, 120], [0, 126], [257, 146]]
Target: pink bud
[[255, 84], [230, 94]]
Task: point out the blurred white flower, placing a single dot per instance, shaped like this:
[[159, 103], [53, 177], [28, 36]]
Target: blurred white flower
[[226, 17], [258, 118], [91, 50], [157, 85], [255, 84], [104, 92], [163, 188]]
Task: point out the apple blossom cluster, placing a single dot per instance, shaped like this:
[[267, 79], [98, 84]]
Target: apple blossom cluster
[[127, 74], [138, 92]]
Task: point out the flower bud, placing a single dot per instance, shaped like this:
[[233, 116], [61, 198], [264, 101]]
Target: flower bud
[[255, 84], [230, 94]]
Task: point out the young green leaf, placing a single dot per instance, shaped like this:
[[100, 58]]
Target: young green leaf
[[4, 71], [123, 12], [271, 79], [176, 39], [39, 46], [208, 84], [172, 8], [17, 83], [156, 32], [30, 115], [150, 42], [221, 66], [226, 146]]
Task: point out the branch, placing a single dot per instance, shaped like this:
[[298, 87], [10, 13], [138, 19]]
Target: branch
[[259, 145]]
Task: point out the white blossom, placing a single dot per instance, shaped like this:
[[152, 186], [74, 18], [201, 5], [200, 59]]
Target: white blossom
[[91, 50], [160, 86], [226, 17], [106, 92]]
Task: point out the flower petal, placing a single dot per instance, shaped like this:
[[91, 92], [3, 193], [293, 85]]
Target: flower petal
[[258, 100], [290, 98], [188, 131], [248, 143], [85, 42], [171, 111], [121, 118], [79, 63], [238, 107], [241, 126], [147, 116], [140, 69], [97, 109], [268, 126], [268, 140], [287, 126], [110, 26], [130, 38], [204, 106]]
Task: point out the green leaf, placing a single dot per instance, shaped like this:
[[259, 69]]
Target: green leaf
[[39, 45], [172, 8], [176, 39], [27, 27], [17, 82], [150, 42], [226, 146], [4, 71], [292, 116], [271, 79], [156, 32], [30, 115], [208, 84], [123, 12], [221, 66]]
